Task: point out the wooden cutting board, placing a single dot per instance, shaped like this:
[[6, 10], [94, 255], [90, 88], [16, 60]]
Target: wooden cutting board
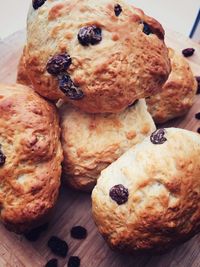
[[74, 208]]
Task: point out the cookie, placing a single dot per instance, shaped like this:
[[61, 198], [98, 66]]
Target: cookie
[[148, 200], [93, 141], [177, 95], [100, 56], [30, 157]]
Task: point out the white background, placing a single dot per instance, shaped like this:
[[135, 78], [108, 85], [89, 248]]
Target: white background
[[178, 15]]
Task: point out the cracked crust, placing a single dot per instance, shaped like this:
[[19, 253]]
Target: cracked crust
[[93, 141], [125, 66], [163, 207], [29, 138], [177, 95]]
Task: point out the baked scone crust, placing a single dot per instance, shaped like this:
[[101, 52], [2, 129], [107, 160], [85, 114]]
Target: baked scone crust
[[177, 95], [29, 138], [163, 205], [125, 66], [22, 76], [93, 141]]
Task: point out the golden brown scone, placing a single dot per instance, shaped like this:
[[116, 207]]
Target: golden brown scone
[[149, 199], [99, 55], [92, 141], [30, 157], [22, 76], [177, 95]]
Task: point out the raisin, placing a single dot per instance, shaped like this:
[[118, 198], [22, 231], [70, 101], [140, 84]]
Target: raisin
[[119, 194], [74, 262], [147, 29], [2, 158], [68, 87], [198, 84], [157, 137], [58, 246], [35, 233], [89, 35], [118, 10], [52, 263], [58, 64], [197, 116], [198, 130], [188, 52], [78, 232], [37, 3]]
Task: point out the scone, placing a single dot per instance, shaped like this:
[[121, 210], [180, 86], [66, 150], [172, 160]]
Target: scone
[[92, 141], [177, 95], [99, 55], [149, 199], [22, 76], [30, 157]]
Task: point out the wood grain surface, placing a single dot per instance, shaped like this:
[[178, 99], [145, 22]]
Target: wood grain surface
[[74, 208]]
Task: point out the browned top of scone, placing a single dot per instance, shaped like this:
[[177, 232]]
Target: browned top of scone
[[177, 94], [30, 157], [124, 60]]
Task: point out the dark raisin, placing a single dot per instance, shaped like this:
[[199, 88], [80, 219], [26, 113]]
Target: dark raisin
[[89, 35], [58, 246], [78, 232], [2, 158], [74, 262], [197, 116], [147, 29], [133, 104], [119, 194], [52, 263], [188, 52], [38, 3], [198, 130], [68, 87], [157, 137], [58, 64], [118, 10], [35, 233], [198, 84]]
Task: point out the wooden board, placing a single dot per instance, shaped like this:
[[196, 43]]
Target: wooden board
[[75, 208]]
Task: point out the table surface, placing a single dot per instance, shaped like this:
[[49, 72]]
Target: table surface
[[74, 208]]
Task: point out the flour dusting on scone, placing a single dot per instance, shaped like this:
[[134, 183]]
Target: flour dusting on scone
[[149, 199], [30, 157], [99, 55]]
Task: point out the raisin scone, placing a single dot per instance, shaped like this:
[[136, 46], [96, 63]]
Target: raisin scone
[[22, 76], [177, 95], [149, 199], [30, 157], [93, 141], [99, 55]]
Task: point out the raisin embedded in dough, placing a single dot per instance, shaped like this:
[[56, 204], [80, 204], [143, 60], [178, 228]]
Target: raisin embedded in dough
[[68, 87], [119, 194], [37, 3], [158, 137], [90, 35], [118, 10], [2, 158], [58, 63]]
